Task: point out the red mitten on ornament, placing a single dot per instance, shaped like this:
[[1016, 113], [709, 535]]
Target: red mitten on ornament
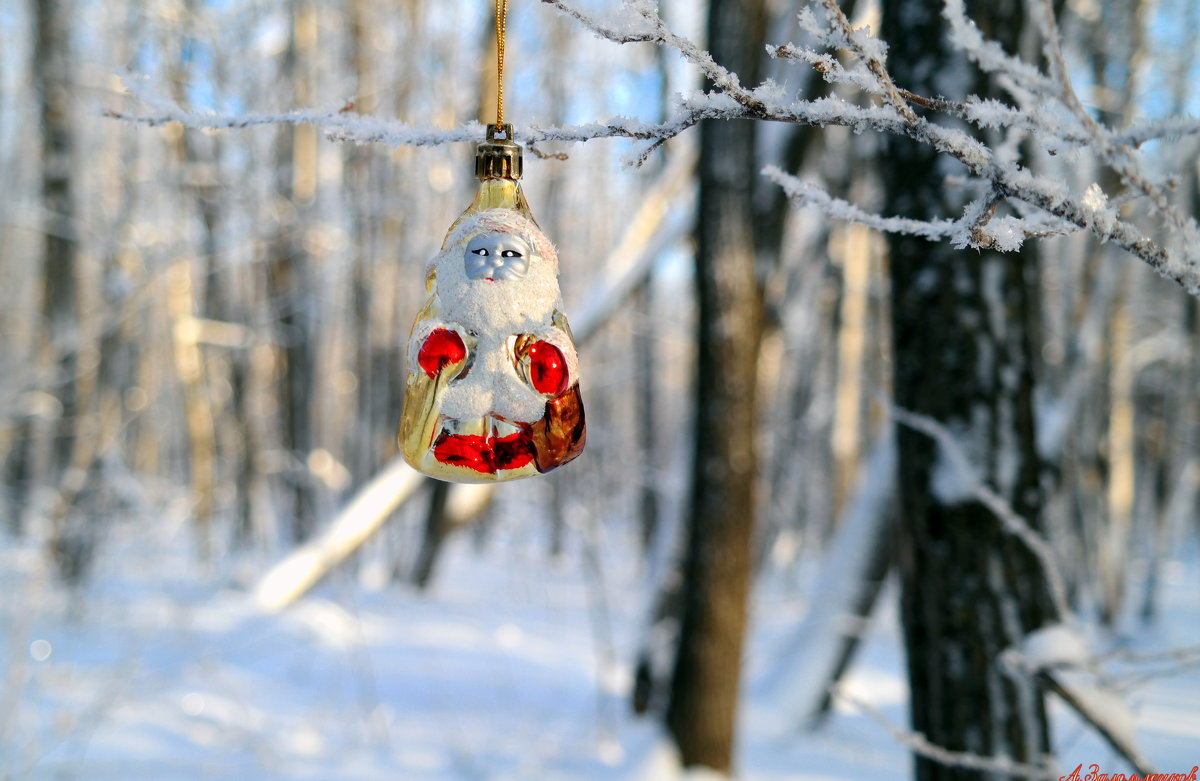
[[442, 348]]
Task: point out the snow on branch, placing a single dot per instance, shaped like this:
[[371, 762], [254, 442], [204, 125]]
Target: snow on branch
[[967, 231], [1045, 110], [1011, 181], [990, 55], [1118, 157], [1009, 519], [922, 746], [1058, 656], [341, 126]]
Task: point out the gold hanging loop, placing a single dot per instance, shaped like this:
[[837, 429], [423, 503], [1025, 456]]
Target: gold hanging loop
[[498, 157], [501, 23]]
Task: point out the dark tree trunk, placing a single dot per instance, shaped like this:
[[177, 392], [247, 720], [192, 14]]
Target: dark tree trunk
[[704, 688], [963, 356], [51, 71], [436, 529], [646, 404], [289, 281]]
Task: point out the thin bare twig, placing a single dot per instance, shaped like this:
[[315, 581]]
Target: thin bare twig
[[891, 95], [920, 745]]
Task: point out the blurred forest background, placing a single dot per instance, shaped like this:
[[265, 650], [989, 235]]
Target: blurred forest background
[[203, 335]]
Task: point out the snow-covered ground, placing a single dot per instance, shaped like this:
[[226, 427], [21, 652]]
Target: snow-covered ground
[[512, 666]]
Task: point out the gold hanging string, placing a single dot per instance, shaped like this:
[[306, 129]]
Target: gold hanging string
[[501, 23], [498, 157]]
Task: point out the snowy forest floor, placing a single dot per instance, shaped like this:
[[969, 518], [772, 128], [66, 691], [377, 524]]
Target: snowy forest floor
[[512, 666]]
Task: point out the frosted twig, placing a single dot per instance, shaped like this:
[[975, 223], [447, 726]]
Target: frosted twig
[[364, 130], [991, 113], [872, 56], [604, 31], [658, 32], [1174, 127], [1173, 661], [989, 55], [828, 66], [539, 154], [1115, 155], [348, 127], [986, 112], [730, 100], [1057, 656], [1008, 180], [920, 745], [1013, 523], [966, 231], [805, 194], [976, 216], [1112, 154]]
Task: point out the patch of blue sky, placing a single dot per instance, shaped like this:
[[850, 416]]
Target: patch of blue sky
[[638, 94], [1167, 69], [1170, 71], [146, 58], [1174, 69]]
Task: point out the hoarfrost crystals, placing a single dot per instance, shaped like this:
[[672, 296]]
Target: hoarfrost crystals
[[1045, 111], [1103, 216], [1007, 233]]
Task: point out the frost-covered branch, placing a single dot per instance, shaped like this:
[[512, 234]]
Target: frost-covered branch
[[654, 29], [1115, 155], [873, 53], [1058, 656], [1152, 665], [920, 745], [990, 55], [966, 231], [366, 130], [343, 126], [1091, 211], [1045, 109], [1012, 522], [1054, 126]]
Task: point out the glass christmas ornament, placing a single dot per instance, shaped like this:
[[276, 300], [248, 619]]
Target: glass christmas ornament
[[492, 386]]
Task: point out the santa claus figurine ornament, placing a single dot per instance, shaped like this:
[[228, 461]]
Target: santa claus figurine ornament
[[492, 390]]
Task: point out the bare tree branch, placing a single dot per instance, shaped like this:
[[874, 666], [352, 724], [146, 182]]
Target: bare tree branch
[[919, 744], [1005, 180], [1013, 523]]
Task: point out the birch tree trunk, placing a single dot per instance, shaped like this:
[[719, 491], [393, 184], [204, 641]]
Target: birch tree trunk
[[963, 356], [704, 688]]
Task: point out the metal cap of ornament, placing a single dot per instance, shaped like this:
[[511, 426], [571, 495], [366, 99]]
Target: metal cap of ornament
[[498, 157]]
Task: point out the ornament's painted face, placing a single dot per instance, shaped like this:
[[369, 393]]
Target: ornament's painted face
[[496, 256]]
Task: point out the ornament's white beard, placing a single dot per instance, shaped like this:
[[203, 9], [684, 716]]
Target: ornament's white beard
[[524, 305]]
